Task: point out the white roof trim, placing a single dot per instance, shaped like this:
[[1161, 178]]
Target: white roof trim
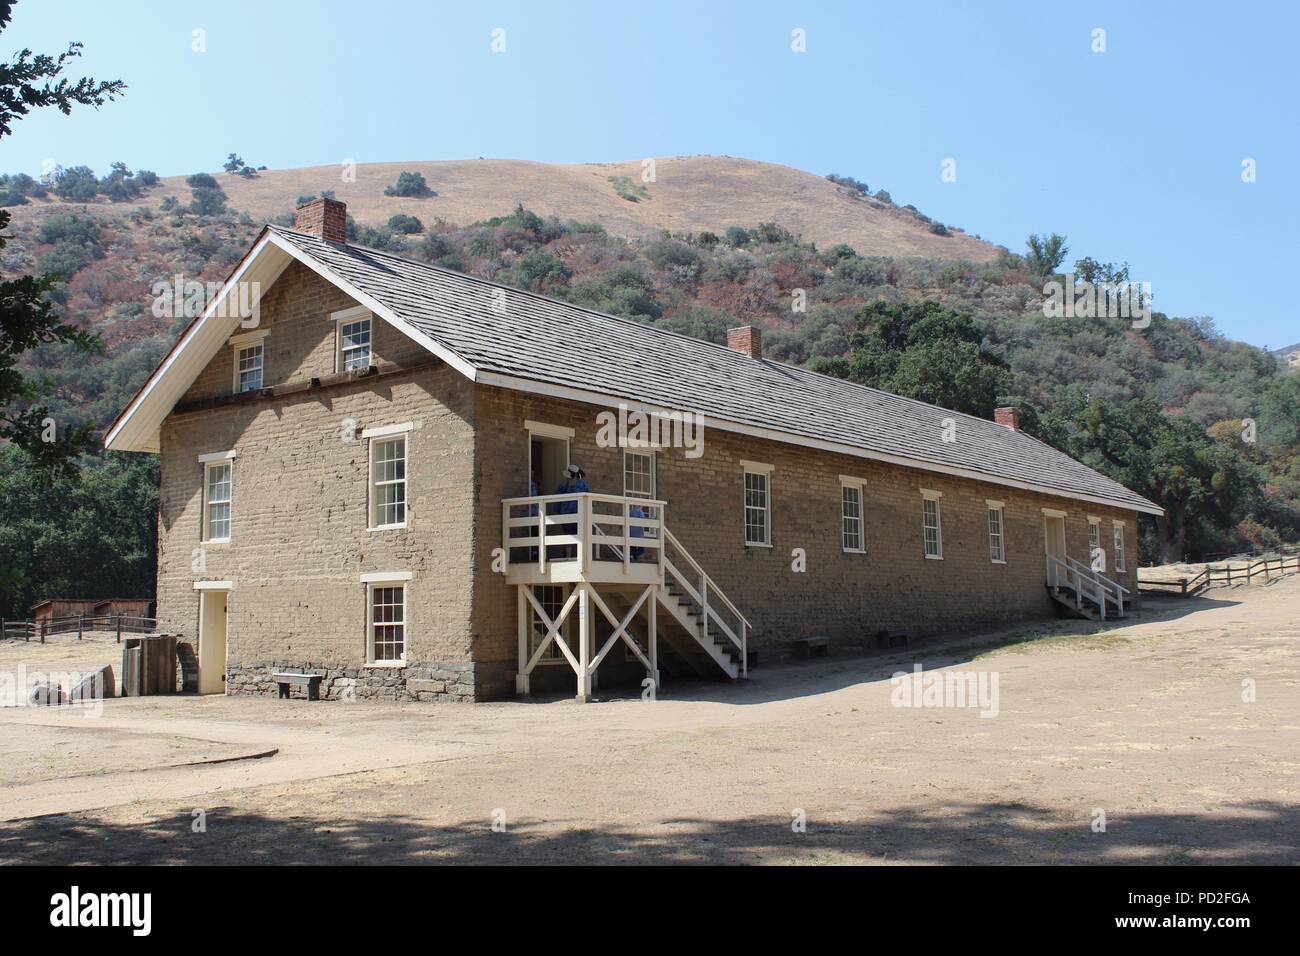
[[136, 429], [517, 384]]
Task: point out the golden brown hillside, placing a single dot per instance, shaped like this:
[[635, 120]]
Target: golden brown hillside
[[691, 193]]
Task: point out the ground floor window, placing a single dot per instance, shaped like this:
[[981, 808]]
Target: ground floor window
[[551, 597], [997, 544], [1096, 556], [851, 515], [758, 504], [932, 530], [387, 623], [1119, 547]]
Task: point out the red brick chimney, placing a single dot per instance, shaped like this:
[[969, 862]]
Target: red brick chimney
[[327, 218], [1009, 416], [747, 339]]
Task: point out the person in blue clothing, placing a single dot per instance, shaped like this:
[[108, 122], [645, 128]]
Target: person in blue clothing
[[574, 483], [636, 531]]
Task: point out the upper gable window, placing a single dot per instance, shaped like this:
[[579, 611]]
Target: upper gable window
[[249, 362], [352, 339]]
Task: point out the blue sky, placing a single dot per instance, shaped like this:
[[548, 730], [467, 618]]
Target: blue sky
[[1135, 153]]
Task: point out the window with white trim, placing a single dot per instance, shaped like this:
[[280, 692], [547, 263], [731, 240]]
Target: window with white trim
[[997, 540], [931, 526], [386, 622], [638, 474], [1094, 544], [388, 482], [248, 368], [216, 500], [758, 505], [851, 538], [1119, 547], [551, 597], [353, 344]]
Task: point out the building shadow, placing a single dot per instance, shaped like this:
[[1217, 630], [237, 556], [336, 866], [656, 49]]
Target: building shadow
[[992, 833]]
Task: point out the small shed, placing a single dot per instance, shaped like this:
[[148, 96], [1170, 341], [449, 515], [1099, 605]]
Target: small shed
[[52, 608]]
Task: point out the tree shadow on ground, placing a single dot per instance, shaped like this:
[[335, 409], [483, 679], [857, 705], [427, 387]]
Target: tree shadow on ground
[[995, 833]]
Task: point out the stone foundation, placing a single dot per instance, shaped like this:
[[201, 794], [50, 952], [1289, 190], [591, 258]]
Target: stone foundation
[[415, 681]]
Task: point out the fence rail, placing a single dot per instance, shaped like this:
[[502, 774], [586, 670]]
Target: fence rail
[[79, 625], [1210, 576]]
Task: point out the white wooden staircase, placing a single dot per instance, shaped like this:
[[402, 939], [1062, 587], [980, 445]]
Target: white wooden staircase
[[621, 561], [1084, 592]]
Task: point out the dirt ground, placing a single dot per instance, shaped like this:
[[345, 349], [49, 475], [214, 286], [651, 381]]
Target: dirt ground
[[1180, 724]]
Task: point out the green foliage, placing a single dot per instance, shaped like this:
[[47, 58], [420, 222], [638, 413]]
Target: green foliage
[[15, 189], [206, 196], [737, 237], [536, 270], [855, 184], [236, 166], [77, 184], [407, 225], [926, 352], [92, 534], [626, 188], [1046, 253], [409, 184], [1202, 484]]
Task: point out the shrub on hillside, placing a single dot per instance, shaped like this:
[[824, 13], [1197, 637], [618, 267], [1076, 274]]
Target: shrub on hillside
[[77, 184], [404, 224], [409, 184]]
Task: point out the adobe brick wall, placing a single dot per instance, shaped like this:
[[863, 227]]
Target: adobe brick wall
[[848, 596], [299, 538], [295, 312]]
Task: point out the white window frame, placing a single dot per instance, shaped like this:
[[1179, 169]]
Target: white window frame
[[928, 495], [553, 654], [654, 472], [221, 459], [246, 343], [1117, 541], [756, 468], [383, 434], [997, 555], [348, 317], [386, 579], [1094, 538], [858, 485]]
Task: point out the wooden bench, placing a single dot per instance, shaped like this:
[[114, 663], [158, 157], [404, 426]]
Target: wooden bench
[[309, 681], [816, 645], [891, 637]]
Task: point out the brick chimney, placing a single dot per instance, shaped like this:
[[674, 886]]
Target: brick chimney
[[747, 339], [327, 218], [1009, 416]]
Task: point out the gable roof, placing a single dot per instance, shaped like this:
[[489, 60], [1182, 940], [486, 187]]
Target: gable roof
[[542, 345]]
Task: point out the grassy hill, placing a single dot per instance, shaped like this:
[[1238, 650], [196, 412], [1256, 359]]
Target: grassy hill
[[690, 194]]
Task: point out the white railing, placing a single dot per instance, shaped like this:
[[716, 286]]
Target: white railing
[[588, 528], [701, 589], [1085, 583], [1109, 588]]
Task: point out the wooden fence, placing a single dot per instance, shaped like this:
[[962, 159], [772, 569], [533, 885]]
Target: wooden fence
[[1210, 576], [79, 625]]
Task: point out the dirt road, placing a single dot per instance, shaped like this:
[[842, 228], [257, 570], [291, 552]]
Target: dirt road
[[1180, 728]]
